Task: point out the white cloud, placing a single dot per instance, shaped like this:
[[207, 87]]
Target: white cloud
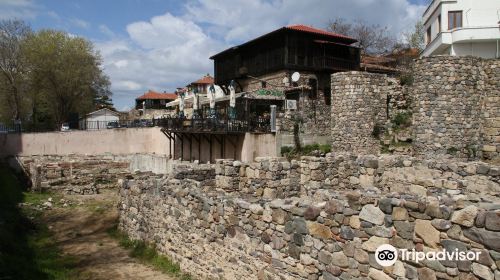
[[106, 31], [161, 54], [168, 51], [80, 23], [11, 9], [243, 20]]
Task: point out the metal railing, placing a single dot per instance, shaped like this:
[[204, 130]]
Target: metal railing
[[214, 125]]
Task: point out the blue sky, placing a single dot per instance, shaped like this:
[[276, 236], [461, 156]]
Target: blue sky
[[164, 44]]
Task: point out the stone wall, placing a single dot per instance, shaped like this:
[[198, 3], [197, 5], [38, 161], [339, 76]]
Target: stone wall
[[328, 231], [450, 104], [266, 177], [75, 174], [313, 113], [359, 111], [203, 173], [454, 103], [491, 113], [313, 116]]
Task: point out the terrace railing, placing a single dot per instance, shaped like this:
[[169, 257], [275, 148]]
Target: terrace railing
[[196, 125], [214, 125]]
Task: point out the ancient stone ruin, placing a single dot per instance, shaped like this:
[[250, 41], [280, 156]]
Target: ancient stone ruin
[[404, 170], [320, 218]]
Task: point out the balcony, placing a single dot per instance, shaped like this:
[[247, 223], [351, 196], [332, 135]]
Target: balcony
[[335, 63], [461, 35], [215, 126]]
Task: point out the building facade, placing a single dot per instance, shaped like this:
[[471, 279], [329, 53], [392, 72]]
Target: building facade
[[462, 27], [290, 66], [266, 91], [154, 100], [201, 85], [99, 119]]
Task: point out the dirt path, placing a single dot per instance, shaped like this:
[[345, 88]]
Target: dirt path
[[81, 232]]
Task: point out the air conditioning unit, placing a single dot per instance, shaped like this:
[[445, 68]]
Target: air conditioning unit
[[291, 104]]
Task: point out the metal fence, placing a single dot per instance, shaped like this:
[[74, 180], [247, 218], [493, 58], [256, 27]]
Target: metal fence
[[259, 125], [215, 125]]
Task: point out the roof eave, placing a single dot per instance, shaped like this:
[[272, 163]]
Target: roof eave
[[350, 40]]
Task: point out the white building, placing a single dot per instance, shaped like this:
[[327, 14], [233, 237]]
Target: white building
[[99, 119], [462, 27]]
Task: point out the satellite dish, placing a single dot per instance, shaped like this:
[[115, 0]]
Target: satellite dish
[[295, 77]]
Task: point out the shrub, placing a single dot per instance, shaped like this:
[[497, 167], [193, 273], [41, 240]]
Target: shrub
[[307, 149], [406, 79], [402, 119], [452, 151], [326, 148], [286, 150], [377, 131]]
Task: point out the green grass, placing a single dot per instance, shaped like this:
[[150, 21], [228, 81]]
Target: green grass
[[148, 255], [38, 198], [291, 152], [27, 250]]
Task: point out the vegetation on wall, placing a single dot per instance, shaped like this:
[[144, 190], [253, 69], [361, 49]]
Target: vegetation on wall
[[308, 150], [406, 79], [148, 254], [377, 131], [402, 120]]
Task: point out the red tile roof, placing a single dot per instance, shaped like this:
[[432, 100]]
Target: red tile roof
[[156, 95], [205, 80], [305, 28]]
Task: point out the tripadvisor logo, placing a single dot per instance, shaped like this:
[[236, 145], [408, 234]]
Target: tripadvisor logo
[[387, 255]]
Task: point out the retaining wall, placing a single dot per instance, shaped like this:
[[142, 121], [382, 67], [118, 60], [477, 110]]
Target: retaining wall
[[113, 141], [332, 228]]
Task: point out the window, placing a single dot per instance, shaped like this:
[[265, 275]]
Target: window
[[428, 35], [454, 19]]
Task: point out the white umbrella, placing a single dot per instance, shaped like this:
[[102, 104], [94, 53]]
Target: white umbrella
[[232, 96], [211, 97], [195, 101], [181, 104]]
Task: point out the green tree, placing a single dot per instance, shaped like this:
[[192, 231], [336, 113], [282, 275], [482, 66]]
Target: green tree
[[66, 75], [13, 69], [103, 101]]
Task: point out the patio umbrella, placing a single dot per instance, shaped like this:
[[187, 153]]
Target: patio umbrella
[[195, 101], [232, 100], [181, 105], [211, 98]]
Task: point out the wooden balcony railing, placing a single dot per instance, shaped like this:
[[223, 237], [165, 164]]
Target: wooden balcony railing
[[330, 62]]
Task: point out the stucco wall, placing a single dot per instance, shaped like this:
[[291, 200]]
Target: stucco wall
[[243, 147], [114, 141]]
